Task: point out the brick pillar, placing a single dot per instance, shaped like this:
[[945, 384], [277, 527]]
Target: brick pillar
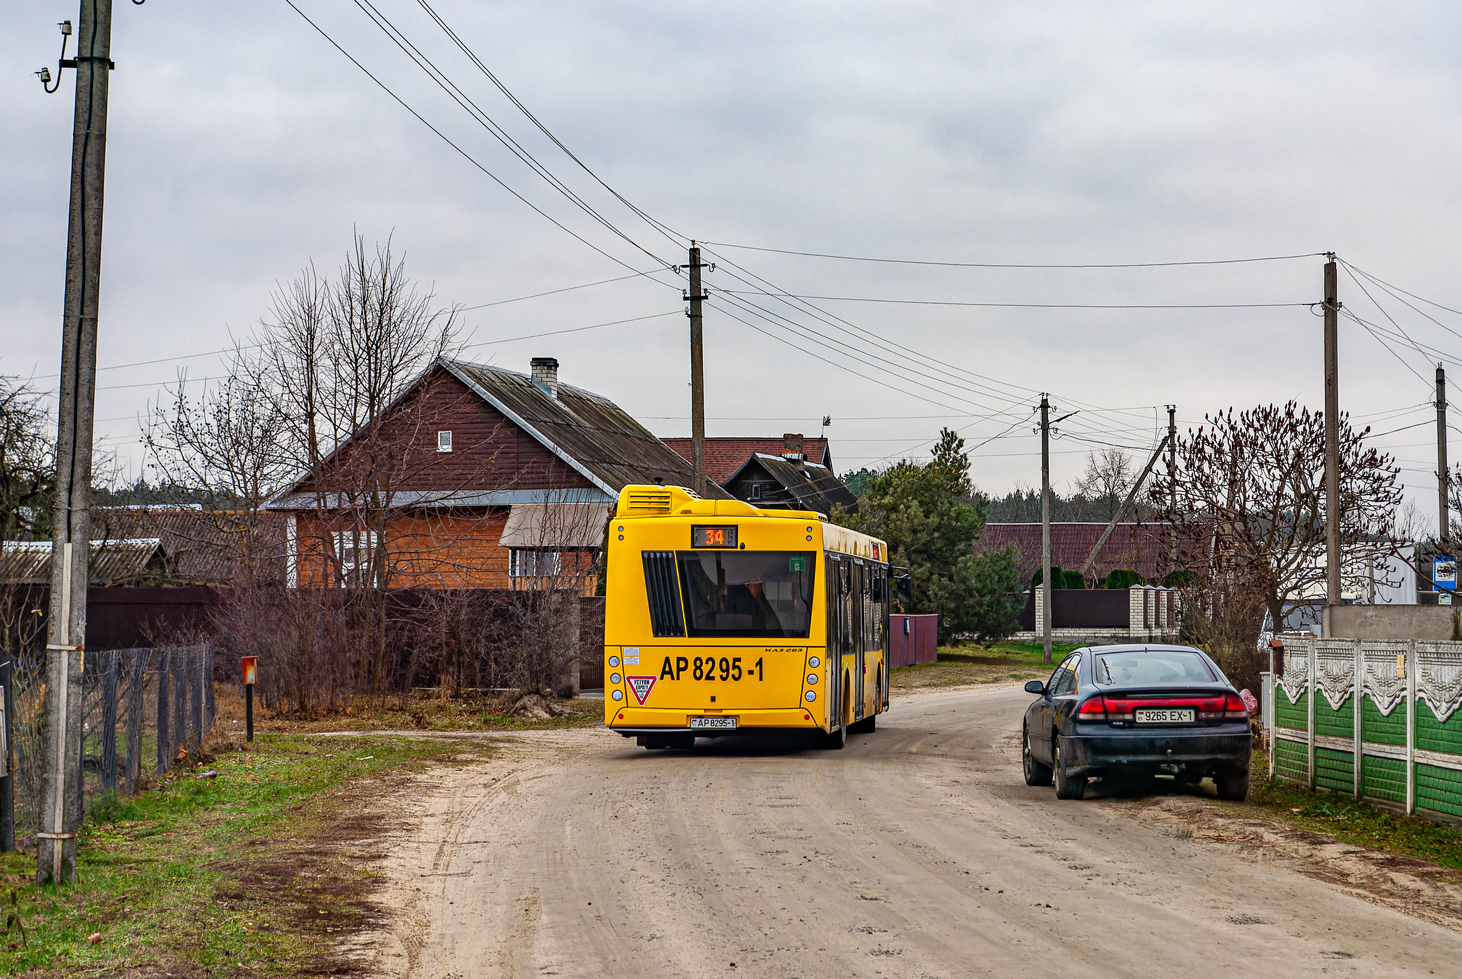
[[1040, 604], [1135, 611]]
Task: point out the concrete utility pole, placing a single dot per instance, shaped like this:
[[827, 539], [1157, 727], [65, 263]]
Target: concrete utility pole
[[1443, 510], [66, 623], [1173, 485], [1332, 441], [1045, 529], [697, 375]]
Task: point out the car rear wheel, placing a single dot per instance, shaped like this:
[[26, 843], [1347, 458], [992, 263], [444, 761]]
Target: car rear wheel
[[1233, 784], [1067, 786], [1035, 772]]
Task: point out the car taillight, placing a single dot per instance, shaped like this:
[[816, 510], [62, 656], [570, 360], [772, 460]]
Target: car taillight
[[1118, 709], [1229, 707], [1095, 709]]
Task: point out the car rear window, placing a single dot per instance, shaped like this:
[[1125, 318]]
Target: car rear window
[[1155, 669]]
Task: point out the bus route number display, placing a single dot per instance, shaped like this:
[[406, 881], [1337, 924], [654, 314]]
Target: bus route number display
[[702, 536]]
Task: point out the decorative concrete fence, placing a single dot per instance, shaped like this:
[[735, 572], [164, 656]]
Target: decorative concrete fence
[[1392, 705]]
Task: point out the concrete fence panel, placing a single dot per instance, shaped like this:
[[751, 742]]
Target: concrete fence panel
[[1376, 719]]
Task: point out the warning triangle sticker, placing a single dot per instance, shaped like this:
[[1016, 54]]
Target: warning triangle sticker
[[641, 686]]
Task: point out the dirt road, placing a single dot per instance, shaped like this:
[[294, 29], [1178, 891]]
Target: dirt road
[[917, 851]]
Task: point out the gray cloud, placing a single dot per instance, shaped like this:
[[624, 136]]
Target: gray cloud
[[241, 145]]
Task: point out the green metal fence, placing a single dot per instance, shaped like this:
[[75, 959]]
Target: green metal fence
[[1392, 705]]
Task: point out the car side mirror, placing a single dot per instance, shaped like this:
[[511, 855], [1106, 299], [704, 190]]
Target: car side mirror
[[1035, 687]]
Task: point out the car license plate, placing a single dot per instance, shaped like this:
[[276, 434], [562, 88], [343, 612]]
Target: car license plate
[[713, 723], [1159, 715]]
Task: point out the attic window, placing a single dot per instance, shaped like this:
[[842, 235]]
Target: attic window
[[444, 441], [756, 491]]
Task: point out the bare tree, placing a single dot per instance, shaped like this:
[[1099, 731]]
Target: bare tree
[[1250, 506], [27, 467], [1106, 482], [226, 443]]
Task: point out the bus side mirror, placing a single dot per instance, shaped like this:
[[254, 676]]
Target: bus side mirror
[[1035, 686], [903, 585]]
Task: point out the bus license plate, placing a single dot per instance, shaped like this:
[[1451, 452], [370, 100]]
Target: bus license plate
[[713, 723], [1154, 715]]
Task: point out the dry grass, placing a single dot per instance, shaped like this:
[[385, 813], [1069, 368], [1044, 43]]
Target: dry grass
[[967, 670], [420, 710]]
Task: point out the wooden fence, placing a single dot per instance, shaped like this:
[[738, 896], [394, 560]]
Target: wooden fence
[[1392, 705]]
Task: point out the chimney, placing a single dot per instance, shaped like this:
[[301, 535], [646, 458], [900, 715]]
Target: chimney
[[545, 375], [792, 446]]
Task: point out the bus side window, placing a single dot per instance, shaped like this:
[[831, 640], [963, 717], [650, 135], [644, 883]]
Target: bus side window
[[834, 607]]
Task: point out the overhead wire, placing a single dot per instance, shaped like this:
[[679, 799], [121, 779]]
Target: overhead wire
[[463, 100], [1009, 265], [994, 305], [459, 150], [670, 233], [893, 368]]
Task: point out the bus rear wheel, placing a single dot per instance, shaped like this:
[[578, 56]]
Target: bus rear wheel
[[836, 740], [663, 741]]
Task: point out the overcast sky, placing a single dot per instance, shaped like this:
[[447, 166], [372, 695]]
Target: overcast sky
[[242, 145]]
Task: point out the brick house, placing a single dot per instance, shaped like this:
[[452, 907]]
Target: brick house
[[1142, 547], [474, 477], [726, 456]]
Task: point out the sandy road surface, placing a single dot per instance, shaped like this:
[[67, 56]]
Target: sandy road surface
[[917, 851]]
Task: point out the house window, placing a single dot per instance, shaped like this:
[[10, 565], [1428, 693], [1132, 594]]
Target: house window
[[444, 441], [532, 562], [756, 491], [355, 550]]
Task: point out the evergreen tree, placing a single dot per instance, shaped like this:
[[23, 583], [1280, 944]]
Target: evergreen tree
[[930, 515]]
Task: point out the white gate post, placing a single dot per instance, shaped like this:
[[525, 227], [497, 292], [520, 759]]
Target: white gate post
[[1358, 691], [1310, 715], [1411, 726]]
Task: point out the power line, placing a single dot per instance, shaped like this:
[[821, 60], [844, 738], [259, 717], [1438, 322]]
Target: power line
[[460, 151], [674, 236], [487, 122], [1004, 265], [949, 302], [895, 369], [576, 329], [555, 292], [844, 325]]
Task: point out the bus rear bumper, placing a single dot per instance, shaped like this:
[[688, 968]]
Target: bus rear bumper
[[631, 721]]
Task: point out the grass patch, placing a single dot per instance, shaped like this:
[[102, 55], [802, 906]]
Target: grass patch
[[257, 869], [1345, 820], [420, 710], [959, 673]]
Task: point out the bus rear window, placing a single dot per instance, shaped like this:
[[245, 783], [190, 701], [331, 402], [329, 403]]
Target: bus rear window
[[747, 594]]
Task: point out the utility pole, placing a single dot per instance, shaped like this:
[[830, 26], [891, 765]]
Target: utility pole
[[1045, 529], [697, 375], [66, 623], [1332, 442], [1443, 510], [1172, 487]]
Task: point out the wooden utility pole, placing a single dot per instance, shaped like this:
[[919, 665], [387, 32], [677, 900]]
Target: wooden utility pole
[[1443, 510], [1045, 529], [1172, 487], [66, 623], [697, 375], [1332, 441]]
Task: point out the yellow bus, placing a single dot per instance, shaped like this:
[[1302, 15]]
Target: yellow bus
[[723, 617]]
